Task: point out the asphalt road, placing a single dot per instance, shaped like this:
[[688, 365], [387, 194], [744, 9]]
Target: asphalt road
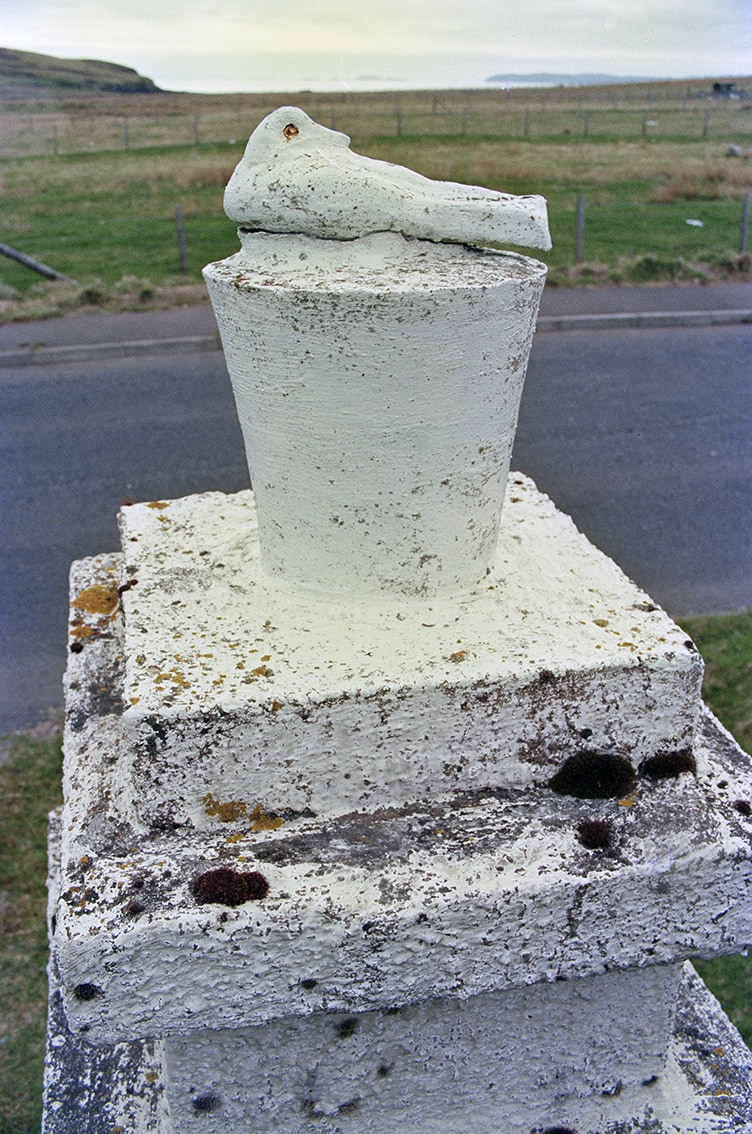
[[642, 435]]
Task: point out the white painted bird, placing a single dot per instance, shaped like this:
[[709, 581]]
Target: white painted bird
[[297, 176]]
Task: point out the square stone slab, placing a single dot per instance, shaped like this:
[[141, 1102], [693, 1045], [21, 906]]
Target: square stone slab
[[242, 697]]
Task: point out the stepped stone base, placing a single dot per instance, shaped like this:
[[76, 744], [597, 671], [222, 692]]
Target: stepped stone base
[[433, 1086], [459, 952]]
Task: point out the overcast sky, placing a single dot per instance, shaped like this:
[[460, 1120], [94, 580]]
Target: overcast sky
[[226, 45]]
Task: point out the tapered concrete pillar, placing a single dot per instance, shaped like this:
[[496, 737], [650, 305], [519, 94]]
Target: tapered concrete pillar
[[391, 804]]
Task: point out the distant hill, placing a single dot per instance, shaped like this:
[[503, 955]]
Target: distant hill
[[26, 71], [584, 80]]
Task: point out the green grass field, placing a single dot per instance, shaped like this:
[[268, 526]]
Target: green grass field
[[646, 161], [30, 787]]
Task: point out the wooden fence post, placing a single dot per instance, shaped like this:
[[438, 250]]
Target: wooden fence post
[[180, 226], [579, 242]]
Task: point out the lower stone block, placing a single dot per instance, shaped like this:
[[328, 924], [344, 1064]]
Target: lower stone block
[[483, 1066], [444, 1065]]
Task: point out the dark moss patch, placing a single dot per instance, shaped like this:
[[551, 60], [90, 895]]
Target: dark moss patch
[[595, 834], [594, 775], [228, 887], [348, 1027], [308, 983], [668, 765], [743, 807], [87, 992], [206, 1104], [559, 1130]]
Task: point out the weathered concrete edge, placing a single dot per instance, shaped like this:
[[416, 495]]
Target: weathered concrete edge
[[59, 355]]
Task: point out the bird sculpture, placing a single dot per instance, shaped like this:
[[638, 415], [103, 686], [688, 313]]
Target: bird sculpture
[[298, 176]]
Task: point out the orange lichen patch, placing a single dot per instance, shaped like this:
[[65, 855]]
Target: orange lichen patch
[[79, 632], [228, 811], [276, 706], [173, 675], [151, 1076], [262, 671], [263, 822], [600, 621], [628, 801], [158, 504], [236, 838], [97, 600], [457, 656]]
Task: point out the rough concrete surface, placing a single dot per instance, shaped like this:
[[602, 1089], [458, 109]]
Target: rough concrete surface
[[239, 690]]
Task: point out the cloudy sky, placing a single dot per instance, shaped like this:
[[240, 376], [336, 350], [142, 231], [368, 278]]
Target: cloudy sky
[[225, 45]]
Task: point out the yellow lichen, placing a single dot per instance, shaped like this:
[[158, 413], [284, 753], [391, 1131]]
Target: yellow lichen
[[228, 811], [79, 632], [263, 822], [158, 504], [97, 599], [173, 675], [457, 656], [600, 621], [262, 671]]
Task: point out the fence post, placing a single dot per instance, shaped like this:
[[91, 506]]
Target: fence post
[[745, 224], [586, 123], [126, 135], [196, 120], [398, 117], [526, 123], [55, 147], [579, 242], [705, 124], [180, 226]]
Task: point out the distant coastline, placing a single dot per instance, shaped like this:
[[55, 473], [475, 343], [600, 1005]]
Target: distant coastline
[[553, 79]]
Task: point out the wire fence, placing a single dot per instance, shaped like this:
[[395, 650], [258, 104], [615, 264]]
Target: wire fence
[[40, 132]]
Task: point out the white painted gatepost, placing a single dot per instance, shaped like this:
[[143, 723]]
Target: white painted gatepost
[[390, 803]]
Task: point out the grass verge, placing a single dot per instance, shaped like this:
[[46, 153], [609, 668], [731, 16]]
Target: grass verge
[[108, 218], [30, 788], [725, 642]]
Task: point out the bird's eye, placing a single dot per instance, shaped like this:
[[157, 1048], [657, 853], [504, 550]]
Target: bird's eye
[[290, 131]]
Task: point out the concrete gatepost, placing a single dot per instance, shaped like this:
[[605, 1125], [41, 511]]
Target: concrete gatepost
[[390, 802]]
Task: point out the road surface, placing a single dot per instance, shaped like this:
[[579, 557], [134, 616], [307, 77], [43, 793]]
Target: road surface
[[642, 435]]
